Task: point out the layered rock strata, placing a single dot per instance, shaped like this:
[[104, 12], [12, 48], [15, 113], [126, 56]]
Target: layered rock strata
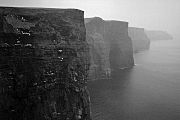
[[158, 35], [43, 64], [139, 38], [110, 46]]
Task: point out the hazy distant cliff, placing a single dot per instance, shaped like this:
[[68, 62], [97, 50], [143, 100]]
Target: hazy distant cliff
[[99, 48], [121, 51], [158, 35], [139, 39], [43, 64], [110, 46]]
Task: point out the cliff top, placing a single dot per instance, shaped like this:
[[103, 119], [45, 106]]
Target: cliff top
[[136, 29], [93, 19], [4, 9], [125, 22], [98, 19]]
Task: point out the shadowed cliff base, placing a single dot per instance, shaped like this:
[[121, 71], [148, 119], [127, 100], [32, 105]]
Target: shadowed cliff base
[[110, 47], [139, 39], [43, 64]]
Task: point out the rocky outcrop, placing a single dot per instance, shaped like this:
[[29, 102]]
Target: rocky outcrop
[[158, 35], [139, 39], [110, 46], [43, 64]]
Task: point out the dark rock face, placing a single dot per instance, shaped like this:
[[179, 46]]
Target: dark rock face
[[110, 46], [139, 39], [43, 64], [158, 35]]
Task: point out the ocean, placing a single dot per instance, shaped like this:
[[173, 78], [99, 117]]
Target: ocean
[[148, 91]]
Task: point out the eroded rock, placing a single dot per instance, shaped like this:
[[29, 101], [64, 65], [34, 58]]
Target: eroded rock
[[43, 64]]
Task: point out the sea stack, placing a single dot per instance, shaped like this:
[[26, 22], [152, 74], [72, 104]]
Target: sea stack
[[44, 64], [110, 46], [139, 38]]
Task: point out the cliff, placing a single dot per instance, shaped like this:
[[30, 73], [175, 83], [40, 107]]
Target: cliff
[[110, 46], [139, 39], [99, 48], [158, 35], [43, 64], [121, 51]]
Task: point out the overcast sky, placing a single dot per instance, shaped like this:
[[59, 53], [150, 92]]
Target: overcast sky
[[150, 14]]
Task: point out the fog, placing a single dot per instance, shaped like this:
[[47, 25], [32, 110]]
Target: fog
[[149, 14]]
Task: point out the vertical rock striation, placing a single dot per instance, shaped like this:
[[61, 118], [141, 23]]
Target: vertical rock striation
[[43, 64], [110, 46], [139, 39]]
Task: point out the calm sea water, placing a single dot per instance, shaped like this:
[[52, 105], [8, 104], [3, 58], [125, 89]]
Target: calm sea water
[[149, 91]]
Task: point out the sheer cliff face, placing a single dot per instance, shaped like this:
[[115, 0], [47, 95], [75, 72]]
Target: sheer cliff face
[[43, 64], [121, 52], [158, 35], [110, 46], [99, 48], [139, 39]]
